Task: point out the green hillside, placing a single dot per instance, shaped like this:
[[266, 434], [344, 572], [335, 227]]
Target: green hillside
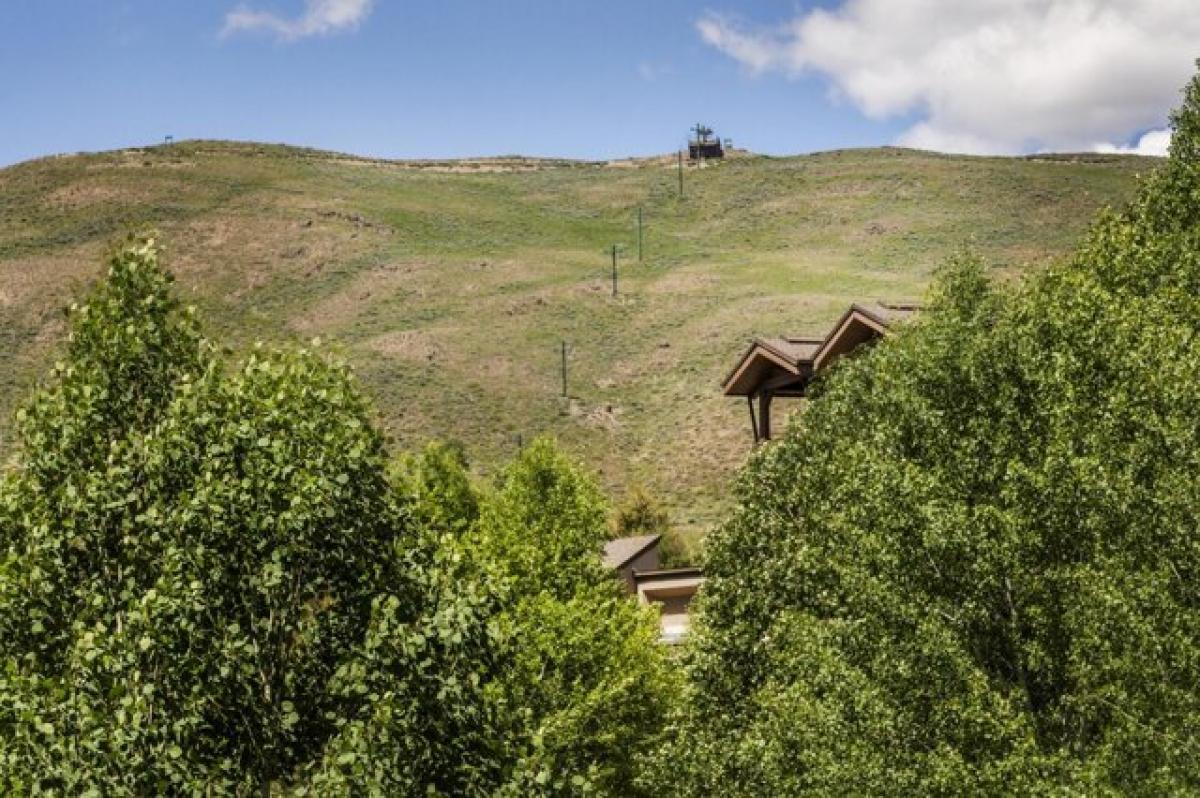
[[450, 285]]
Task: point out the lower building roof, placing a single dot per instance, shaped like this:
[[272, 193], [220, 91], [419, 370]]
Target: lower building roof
[[620, 551]]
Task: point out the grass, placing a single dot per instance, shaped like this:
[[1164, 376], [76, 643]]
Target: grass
[[450, 285]]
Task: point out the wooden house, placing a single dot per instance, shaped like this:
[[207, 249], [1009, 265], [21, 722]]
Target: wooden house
[[639, 565], [784, 367], [626, 556]]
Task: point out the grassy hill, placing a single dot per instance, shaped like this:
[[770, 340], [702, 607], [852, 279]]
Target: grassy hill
[[450, 285]]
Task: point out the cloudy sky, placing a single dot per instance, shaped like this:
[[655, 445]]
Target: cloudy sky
[[583, 78]]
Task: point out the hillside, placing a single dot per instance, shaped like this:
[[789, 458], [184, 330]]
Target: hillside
[[450, 285]]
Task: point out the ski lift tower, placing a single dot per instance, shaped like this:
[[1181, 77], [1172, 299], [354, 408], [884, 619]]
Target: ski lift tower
[[704, 144]]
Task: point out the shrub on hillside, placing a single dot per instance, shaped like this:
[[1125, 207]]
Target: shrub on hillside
[[970, 568], [642, 514]]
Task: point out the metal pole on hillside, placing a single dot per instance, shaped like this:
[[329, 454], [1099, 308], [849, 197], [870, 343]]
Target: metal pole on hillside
[[639, 234], [614, 257], [681, 173], [564, 367]]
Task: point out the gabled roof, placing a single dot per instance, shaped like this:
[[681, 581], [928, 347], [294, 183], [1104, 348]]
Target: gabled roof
[[619, 552], [777, 359], [859, 324], [770, 357]]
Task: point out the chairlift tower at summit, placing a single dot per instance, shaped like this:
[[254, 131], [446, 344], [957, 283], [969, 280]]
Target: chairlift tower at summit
[[704, 144]]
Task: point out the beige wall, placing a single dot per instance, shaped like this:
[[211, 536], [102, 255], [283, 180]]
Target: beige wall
[[673, 595]]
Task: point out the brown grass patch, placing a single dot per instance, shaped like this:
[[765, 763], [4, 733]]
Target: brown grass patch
[[246, 254], [334, 311], [415, 345], [43, 281], [84, 194]]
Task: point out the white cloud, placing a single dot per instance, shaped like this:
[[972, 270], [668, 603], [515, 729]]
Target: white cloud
[[758, 51], [990, 76], [1152, 142], [320, 17]]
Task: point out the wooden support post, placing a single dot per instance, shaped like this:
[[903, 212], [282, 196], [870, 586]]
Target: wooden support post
[[753, 420], [681, 174], [764, 414]]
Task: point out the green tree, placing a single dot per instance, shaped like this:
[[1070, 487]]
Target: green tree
[[543, 527], [550, 681], [189, 557], [640, 514], [424, 710], [970, 567], [211, 584], [438, 488], [592, 684]]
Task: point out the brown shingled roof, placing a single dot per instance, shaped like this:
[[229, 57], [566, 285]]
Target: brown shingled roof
[[888, 312], [622, 550], [774, 358], [861, 323], [795, 349], [777, 355]]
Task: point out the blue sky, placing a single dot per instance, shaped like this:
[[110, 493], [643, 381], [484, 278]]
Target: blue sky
[[445, 78]]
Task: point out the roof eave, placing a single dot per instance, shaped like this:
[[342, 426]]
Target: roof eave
[[856, 312], [759, 347]]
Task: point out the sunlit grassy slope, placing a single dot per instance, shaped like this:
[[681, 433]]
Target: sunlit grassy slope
[[450, 285]]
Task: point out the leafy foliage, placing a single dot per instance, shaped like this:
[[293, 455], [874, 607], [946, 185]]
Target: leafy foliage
[[551, 680], [128, 348], [438, 488], [971, 567], [642, 514], [544, 526], [592, 683], [189, 553], [211, 584]]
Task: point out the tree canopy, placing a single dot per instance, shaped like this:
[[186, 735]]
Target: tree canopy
[[556, 684], [971, 566], [212, 581]]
